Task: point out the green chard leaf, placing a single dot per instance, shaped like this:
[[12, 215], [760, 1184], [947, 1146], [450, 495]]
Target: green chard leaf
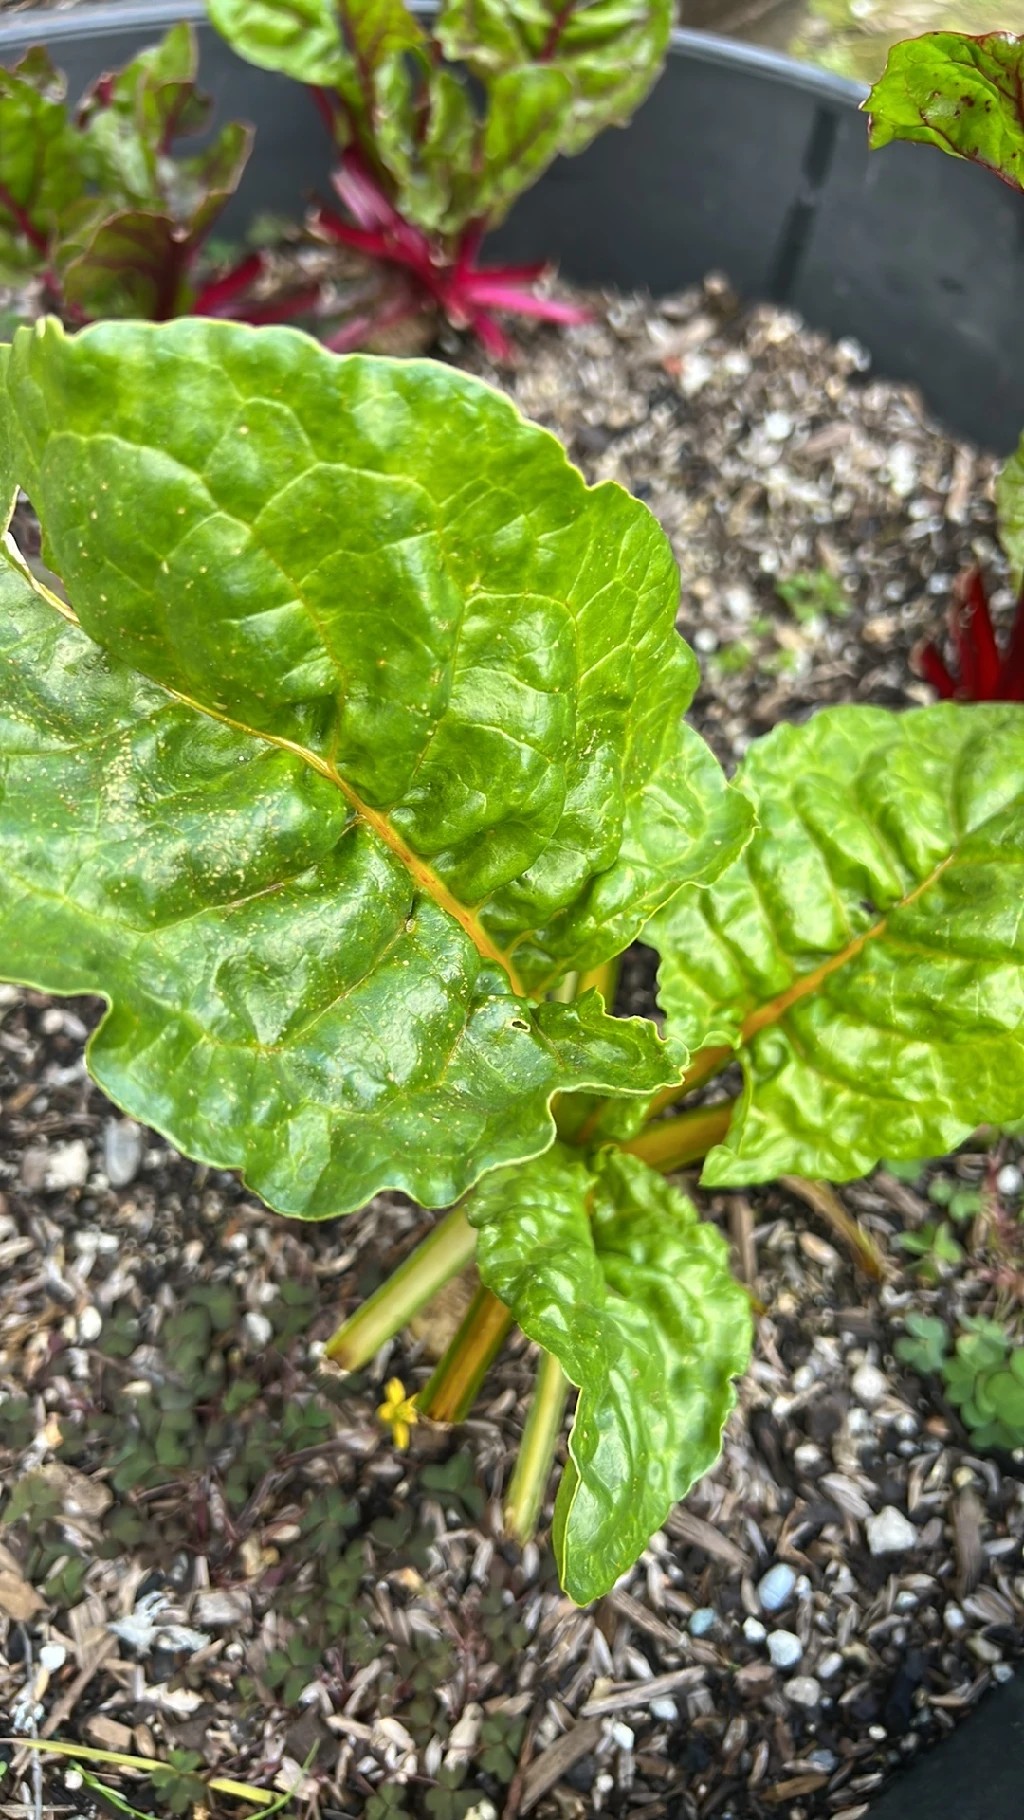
[[865, 956], [963, 94], [39, 169], [394, 723], [130, 119], [545, 78], [610, 1269], [100, 202], [338, 44], [609, 51]]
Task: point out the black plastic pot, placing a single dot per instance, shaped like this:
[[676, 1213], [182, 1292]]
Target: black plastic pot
[[747, 163], [742, 162]]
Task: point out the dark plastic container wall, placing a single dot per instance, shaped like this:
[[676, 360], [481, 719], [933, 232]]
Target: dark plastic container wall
[[741, 162]]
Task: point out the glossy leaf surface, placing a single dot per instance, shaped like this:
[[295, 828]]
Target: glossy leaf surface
[[962, 94], [546, 79], [374, 592], [97, 201], [39, 171], [284, 999], [609, 51], [382, 564], [866, 954], [330, 43], [611, 1270]]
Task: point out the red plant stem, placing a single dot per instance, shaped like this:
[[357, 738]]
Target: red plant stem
[[23, 221], [523, 303], [975, 639], [935, 671], [325, 102], [557, 27], [219, 292], [490, 336]]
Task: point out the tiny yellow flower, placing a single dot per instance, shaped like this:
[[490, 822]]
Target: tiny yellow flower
[[398, 1412]]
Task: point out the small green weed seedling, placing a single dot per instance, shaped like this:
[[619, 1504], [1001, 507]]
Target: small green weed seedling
[[983, 1373], [812, 595], [357, 759]]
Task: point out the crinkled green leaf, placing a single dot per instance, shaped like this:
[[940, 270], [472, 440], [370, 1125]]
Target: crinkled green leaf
[[131, 124], [611, 1269], [131, 118], [963, 94], [100, 201], [402, 663], [1010, 507], [610, 51], [454, 158], [546, 79], [39, 170], [866, 953], [382, 564], [139, 261], [331, 43], [284, 999], [127, 266], [525, 127], [428, 149]]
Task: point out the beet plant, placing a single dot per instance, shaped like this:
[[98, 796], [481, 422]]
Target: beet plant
[[441, 124], [963, 95], [344, 763], [97, 203]]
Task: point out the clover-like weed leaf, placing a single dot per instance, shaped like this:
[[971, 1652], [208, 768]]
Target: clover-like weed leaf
[[865, 956], [610, 1268], [342, 757]]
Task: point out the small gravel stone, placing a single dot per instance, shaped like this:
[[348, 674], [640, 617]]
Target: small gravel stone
[[777, 426], [869, 1385], [1010, 1181], [890, 1532], [217, 1607], [830, 1665], [954, 1620], [67, 1166], [777, 1587], [90, 1325], [784, 1648], [52, 1656], [259, 1330], [754, 1630], [701, 1621], [122, 1151], [803, 1690], [825, 1760]]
